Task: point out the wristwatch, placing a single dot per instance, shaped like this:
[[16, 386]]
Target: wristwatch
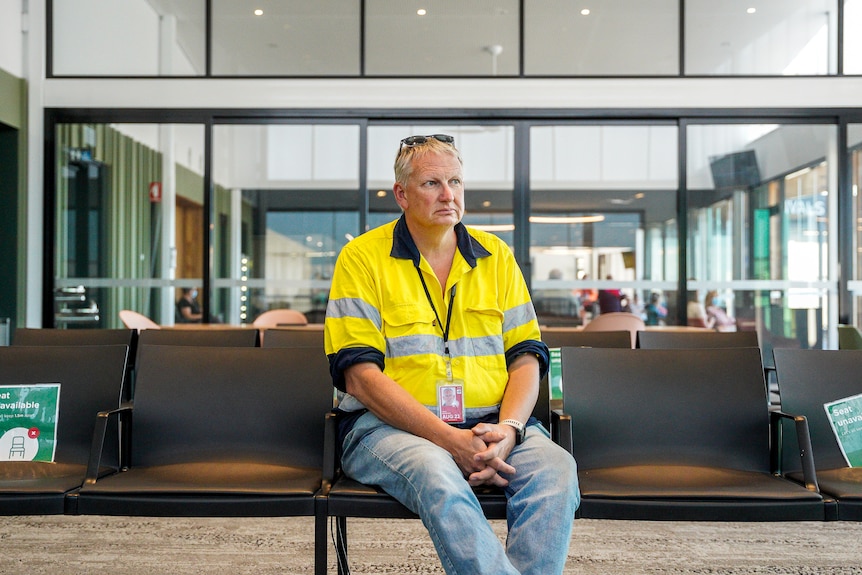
[[519, 429]]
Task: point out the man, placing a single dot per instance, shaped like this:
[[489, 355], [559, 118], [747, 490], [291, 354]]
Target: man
[[423, 304], [188, 309]]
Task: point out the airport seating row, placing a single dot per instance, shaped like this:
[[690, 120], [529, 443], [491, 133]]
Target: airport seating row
[[658, 434]]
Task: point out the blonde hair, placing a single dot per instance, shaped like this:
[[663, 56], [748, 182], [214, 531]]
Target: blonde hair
[[406, 155]]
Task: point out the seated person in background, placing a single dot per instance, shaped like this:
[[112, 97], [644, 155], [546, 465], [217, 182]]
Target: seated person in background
[[188, 308], [714, 312], [557, 301], [424, 304], [655, 310], [696, 313], [610, 300]]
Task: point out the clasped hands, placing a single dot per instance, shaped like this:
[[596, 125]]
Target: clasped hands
[[484, 453]]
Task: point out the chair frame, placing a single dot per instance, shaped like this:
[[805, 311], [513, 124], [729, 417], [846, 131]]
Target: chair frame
[[809, 378], [187, 458], [699, 410], [91, 378]]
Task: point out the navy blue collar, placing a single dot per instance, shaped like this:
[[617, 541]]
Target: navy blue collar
[[403, 246]]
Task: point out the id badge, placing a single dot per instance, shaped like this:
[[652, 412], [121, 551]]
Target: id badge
[[450, 400]]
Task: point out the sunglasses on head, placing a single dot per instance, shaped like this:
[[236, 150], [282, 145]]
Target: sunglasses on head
[[419, 140]]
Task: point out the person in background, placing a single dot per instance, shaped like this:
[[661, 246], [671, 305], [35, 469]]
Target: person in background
[[188, 308], [656, 312], [696, 312], [610, 300], [423, 303], [716, 315], [557, 301]]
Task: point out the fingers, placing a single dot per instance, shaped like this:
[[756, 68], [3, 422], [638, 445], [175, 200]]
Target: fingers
[[488, 433], [487, 476], [496, 463]]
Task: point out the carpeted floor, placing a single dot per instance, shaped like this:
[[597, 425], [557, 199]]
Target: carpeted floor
[[61, 545]]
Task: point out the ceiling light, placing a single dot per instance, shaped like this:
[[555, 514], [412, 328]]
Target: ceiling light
[[751, 10], [381, 193], [258, 12], [486, 204], [585, 12], [422, 11]]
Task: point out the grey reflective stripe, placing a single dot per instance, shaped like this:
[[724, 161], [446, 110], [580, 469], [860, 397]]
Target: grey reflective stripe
[[518, 316], [463, 347], [353, 307], [477, 346], [408, 345]]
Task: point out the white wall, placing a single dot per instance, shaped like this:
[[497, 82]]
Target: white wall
[[11, 38]]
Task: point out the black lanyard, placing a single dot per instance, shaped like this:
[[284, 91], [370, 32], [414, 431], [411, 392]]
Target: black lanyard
[[445, 329]]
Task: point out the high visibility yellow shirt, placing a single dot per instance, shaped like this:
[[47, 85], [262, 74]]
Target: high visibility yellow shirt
[[379, 311]]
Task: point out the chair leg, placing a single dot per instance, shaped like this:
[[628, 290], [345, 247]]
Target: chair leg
[[321, 544], [341, 545]]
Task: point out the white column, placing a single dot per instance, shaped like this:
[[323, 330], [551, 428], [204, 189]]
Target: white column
[[167, 228], [235, 259], [34, 73]]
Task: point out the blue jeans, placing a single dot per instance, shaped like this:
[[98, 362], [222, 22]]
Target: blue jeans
[[542, 498]]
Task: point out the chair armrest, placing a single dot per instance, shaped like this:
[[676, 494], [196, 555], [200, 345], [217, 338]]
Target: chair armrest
[[331, 452], [98, 443], [561, 430], [803, 438]]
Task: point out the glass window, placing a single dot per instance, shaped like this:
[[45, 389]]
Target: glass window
[[767, 37], [852, 39], [612, 37], [129, 221], [285, 37], [130, 38], [603, 217], [444, 37], [761, 205], [286, 201]]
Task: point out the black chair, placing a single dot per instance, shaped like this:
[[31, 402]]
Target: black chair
[[810, 378], [560, 337], [226, 337], [675, 435], [287, 337], [705, 339], [224, 432], [648, 339], [563, 337], [91, 380], [38, 336], [128, 337]]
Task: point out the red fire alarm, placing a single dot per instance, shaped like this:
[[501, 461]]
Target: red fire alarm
[[155, 192]]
